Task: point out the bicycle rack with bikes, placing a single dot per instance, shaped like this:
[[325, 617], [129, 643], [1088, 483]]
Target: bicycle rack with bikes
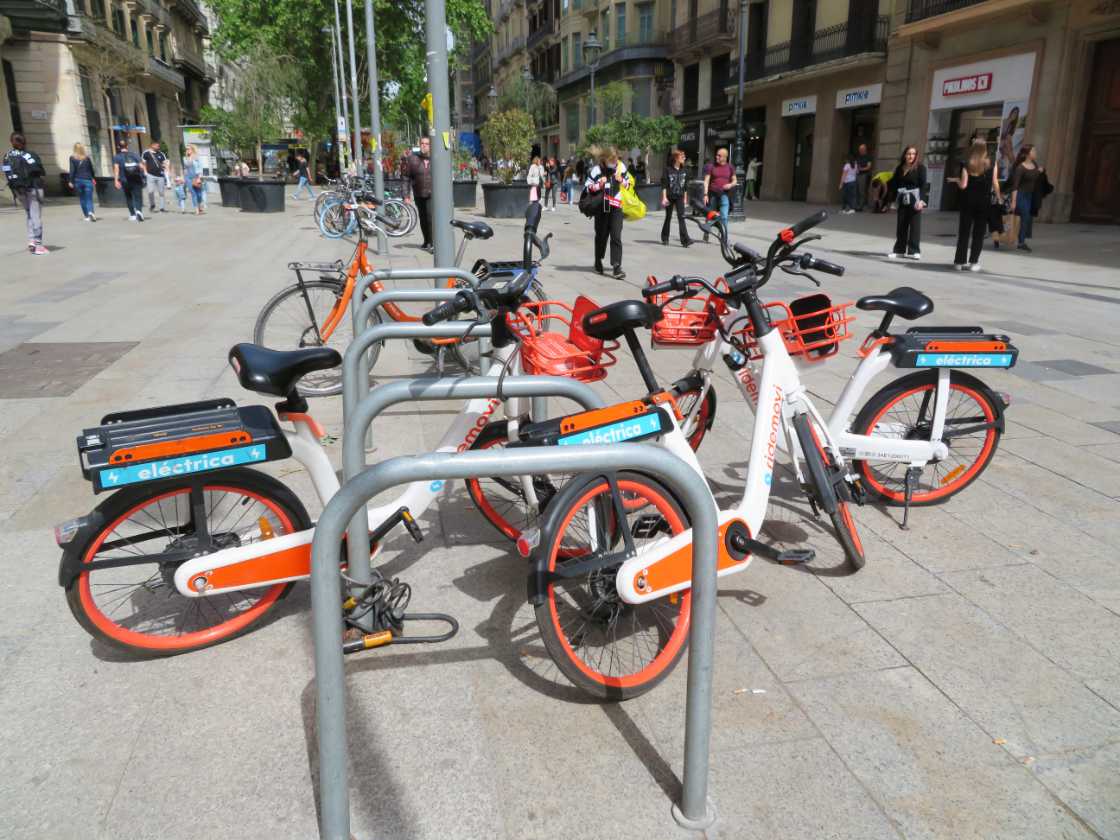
[[360, 420], [694, 810]]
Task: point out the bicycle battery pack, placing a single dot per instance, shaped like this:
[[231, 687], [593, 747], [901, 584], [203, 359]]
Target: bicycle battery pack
[[154, 444], [631, 421], [956, 347]]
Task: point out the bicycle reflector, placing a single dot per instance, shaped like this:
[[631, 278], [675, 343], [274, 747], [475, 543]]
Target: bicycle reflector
[[528, 541], [786, 235]]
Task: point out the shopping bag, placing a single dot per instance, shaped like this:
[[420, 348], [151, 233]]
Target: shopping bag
[[633, 208]]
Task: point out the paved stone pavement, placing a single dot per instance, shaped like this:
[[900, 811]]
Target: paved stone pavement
[[965, 684]]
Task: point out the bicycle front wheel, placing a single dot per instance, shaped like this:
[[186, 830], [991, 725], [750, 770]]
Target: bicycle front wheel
[[309, 315], [608, 648], [904, 409], [136, 607], [828, 488]]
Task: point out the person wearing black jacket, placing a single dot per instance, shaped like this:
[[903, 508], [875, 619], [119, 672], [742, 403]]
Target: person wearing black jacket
[[674, 194], [24, 172], [910, 188], [603, 182], [418, 170]]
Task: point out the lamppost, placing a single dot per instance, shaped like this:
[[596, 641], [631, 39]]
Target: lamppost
[[738, 210], [340, 124], [527, 80], [591, 51], [492, 97]]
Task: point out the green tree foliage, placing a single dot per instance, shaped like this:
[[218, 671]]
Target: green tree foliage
[[508, 135], [631, 131], [291, 31], [537, 97], [611, 100]]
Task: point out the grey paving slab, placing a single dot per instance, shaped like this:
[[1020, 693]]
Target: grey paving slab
[[1057, 424], [1109, 426], [1014, 693], [1037, 373], [54, 369], [1088, 780], [889, 573], [74, 286], [1057, 620], [1080, 464], [882, 725], [1022, 328], [1073, 367]]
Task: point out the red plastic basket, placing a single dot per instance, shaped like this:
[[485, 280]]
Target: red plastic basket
[[688, 321], [811, 326], [553, 342]]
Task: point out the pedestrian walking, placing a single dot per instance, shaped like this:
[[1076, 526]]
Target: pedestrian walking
[[81, 180], [418, 169], [551, 182], [155, 176], [192, 177], [910, 187], [1025, 177], [979, 188], [535, 179], [674, 196], [128, 176], [606, 178], [304, 178], [24, 172], [849, 189], [719, 181], [752, 178], [863, 176]]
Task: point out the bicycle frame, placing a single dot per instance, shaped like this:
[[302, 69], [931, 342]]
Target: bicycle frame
[[288, 557]]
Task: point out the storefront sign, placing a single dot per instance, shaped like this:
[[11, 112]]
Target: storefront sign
[[797, 107], [859, 96], [979, 83], [983, 82]]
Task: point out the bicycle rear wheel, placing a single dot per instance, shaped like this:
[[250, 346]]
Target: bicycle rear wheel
[[608, 648], [828, 490], [904, 409], [137, 607], [298, 317], [398, 221]]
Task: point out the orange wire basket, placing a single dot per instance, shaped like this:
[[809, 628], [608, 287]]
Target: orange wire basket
[[811, 326], [553, 342], [688, 321]]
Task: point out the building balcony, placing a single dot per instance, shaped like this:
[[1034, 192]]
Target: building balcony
[[41, 15], [165, 72], [540, 36], [190, 10], [504, 10], [855, 37], [515, 46], [633, 46], [921, 9], [711, 33]]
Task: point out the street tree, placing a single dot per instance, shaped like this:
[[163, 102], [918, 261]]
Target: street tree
[[508, 136], [113, 64]]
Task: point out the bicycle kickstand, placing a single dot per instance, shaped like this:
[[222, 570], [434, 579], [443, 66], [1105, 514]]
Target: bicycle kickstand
[[912, 476]]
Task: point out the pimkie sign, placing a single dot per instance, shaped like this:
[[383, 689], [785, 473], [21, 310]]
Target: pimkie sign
[[978, 83]]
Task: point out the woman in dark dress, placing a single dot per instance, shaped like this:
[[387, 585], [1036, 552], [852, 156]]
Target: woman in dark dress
[[977, 184], [1024, 186], [910, 188]]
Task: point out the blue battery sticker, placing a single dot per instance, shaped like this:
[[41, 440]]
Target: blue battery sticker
[[632, 428], [187, 465], [994, 360]]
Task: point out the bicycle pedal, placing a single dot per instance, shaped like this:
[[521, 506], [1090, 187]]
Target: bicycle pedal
[[796, 556]]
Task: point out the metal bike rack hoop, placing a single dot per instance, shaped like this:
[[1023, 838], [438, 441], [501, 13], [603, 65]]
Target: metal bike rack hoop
[[367, 280], [362, 310], [429, 389], [326, 594]]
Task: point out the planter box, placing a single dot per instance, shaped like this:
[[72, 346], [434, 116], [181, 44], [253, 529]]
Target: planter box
[[651, 195], [230, 189], [505, 201], [261, 196], [465, 193], [107, 194]]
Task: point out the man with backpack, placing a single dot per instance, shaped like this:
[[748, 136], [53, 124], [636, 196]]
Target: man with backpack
[[155, 176], [24, 172], [128, 175]]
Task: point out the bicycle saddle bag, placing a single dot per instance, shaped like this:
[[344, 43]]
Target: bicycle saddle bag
[[176, 441], [960, 347]]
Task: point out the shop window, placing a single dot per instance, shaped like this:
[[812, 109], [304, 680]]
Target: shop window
[[13, 99], [645, 23], [721, 75], [691, 87], [640, 104]]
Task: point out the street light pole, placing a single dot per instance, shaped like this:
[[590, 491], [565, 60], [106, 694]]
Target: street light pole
[[374, 114], [738, 210], [435, 31], [342, 86], [339, 125], [591, 50], [357, 115]]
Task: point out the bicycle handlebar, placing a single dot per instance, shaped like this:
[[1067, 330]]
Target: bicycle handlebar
[[448, 309], [481, 299]]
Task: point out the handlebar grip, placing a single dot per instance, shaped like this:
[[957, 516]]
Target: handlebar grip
[[828, 267], [791, 233], [448, 309], [658, 288]]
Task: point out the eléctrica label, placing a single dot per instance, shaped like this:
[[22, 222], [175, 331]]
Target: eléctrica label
[[186, 465], [993, 360], [633, 428]]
